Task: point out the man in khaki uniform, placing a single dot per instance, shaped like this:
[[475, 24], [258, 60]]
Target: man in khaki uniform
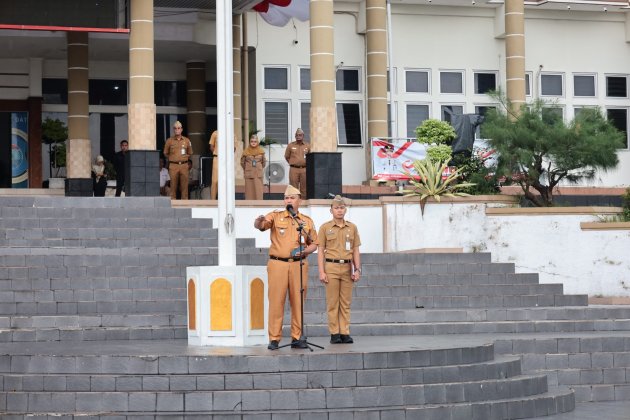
[[283, 268], [214, 189], [178, 150], [295, 154], [339, 264]]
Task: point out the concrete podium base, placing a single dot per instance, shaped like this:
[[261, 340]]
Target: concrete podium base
[[227, 306]]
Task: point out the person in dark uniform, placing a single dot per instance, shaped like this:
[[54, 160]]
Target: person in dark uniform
[[119, 165], [339, 262], [283, 268]]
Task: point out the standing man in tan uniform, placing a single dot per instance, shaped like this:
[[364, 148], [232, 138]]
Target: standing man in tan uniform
[[295, 154], [339, 264], [283, 268], [214, 185], [178, 150]]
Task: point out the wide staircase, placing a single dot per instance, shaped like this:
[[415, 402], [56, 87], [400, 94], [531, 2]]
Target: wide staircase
[[93, 325]]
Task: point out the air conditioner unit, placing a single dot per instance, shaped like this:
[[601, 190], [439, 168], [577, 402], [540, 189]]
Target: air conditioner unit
[[277, 173]]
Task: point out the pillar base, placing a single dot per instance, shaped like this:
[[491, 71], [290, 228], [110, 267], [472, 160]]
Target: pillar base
[[142, 173], [79, 187], [323, 174], [227, 306]]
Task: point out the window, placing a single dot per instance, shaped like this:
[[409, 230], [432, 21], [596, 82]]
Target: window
[[55, 91], [170, 93], [348, 80], [551, 85], [305, 119], [552, 115], [619, 118], [416, 114], [305, 78], [276, 78], [485, 82], [349, 124], [617, 86], [108, 92], [211, 94], [277, 121], [417, 81], [447, 110], [528, 84], [451, 82], [584, 85]]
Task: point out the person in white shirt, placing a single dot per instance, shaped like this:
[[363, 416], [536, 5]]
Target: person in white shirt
[[165, 180]]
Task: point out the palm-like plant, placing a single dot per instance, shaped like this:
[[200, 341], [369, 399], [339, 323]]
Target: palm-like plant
[[430, 183]]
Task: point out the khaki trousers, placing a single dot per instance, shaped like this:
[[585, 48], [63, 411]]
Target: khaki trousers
[[297, 178], [338, 297], [179, 179], [253, 189], [283, 277], [214, 187]]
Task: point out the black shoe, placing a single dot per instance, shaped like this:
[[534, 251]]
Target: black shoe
[[335, 339], [273, 345], [346, 339], [298, 344]]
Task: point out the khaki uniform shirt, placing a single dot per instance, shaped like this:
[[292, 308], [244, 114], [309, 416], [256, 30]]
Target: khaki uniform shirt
[[339, 241], [253, 165], [295, 153], [284, 233], [178, 150]]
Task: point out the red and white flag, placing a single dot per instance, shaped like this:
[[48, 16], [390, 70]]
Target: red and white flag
[[280, 12]]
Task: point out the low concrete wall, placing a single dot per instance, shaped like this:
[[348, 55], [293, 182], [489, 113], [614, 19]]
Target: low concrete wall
[[561, 244]]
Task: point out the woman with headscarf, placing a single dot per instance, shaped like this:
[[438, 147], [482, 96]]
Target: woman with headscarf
[[99, 181], [253, 162]]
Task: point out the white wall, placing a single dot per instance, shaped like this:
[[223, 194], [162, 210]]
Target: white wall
[[585, 262]]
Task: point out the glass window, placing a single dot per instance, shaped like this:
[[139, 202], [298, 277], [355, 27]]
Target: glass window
[[55, 91], [416, 114], [349, 124], [417, 81], [277, 121], [305, 79], [170, 93], [551, 85], [447, 110], [619, 118], [108, 92], [211, 94], [451, 82], [485, 82], [584, 85], [552, 115], [348, 80], [617, 86], [305, 119], [528, 84], [276, 78]]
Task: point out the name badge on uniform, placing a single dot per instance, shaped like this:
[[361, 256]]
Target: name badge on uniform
[[253, 162], [348, 243], [183, 150]]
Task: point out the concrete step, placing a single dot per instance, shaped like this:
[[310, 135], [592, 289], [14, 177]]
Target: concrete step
[[500, 368], [308, 405], [594, 384]]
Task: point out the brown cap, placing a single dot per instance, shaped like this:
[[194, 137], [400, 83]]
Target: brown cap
[[291, 190], [338, 200]]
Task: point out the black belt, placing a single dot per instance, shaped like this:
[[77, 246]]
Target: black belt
[[271, 257], [215, 155], [338, 261], [296, 166], [179, 163]]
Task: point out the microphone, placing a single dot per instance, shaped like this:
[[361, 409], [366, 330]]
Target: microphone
[[291, 211]]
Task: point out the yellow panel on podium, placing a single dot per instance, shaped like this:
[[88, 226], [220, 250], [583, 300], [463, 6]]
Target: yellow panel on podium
[[227, 306]]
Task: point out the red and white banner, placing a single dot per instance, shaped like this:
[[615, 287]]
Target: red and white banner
[[391, 158], [280, 12]]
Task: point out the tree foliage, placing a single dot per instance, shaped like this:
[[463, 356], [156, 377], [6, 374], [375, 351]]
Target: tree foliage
[[433, 131], [537, 149]]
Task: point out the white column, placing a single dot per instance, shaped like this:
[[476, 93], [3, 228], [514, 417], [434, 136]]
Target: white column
[[225, 120]]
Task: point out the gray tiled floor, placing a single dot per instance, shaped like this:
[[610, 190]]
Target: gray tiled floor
[[614, 410]]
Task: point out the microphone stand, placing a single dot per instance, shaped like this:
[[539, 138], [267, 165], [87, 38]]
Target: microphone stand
[[303, 337]]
